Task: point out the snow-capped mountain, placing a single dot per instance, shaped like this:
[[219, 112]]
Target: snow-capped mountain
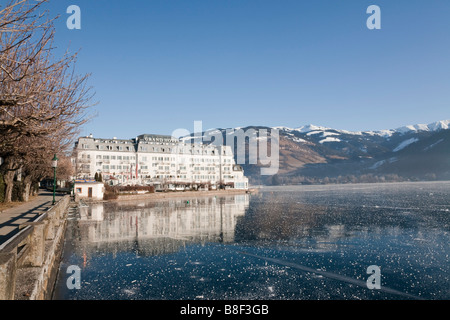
[[419, 151], [432, 127], [394, 139], [313, 153]]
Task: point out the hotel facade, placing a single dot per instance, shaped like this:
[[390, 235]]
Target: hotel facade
[[159, 160]]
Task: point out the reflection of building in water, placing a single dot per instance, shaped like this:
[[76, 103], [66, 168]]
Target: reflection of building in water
[[157, 227]]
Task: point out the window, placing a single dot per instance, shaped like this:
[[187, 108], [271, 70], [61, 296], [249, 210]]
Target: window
[[79, 190]]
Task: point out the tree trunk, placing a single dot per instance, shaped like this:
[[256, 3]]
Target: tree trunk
[[9, 182], [8, 178], [34, 191], [27, 188]]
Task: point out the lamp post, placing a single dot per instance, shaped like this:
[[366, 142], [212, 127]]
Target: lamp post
[[54, 165]]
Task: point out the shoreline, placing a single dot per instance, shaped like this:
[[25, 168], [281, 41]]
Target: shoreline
[[177, 194]]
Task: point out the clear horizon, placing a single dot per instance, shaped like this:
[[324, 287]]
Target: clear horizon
[[158, 66]]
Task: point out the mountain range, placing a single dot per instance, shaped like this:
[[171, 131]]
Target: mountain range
[[317, 154]]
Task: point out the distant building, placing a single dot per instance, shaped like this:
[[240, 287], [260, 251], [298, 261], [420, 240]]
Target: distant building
[[89, 189], [159, 160]]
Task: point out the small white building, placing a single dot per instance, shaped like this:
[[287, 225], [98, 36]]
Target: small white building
[[86, 189]]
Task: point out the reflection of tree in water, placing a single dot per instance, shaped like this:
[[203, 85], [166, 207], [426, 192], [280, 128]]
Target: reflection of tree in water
[[271, 217]]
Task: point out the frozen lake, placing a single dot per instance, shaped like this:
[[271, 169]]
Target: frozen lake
[[288, 242]]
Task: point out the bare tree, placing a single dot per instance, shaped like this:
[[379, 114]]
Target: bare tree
[[42, 101], [35, 164]]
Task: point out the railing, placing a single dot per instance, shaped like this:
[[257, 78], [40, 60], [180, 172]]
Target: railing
[[27, 248]]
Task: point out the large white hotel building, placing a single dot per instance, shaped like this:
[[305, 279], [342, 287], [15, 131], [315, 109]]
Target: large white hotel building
[[158, 160]]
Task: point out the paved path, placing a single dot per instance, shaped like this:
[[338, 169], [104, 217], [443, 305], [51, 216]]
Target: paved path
[[11, 218]]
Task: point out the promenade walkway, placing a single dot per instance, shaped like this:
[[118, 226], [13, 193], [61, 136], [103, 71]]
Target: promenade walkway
[[12, 218]]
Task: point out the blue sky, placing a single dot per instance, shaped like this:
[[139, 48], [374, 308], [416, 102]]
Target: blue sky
[[160, 65]]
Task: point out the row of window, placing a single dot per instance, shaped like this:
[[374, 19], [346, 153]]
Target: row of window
[[145, 149], [110, 148], [158, 146], [205, 177], [107, 157], [107, 167], [144, 158], [159, 158], [204, 168]]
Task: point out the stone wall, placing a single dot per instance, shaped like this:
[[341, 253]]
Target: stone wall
[[30, 260]]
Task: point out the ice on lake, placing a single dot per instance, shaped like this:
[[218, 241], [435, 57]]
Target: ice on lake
[[288, 242]]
